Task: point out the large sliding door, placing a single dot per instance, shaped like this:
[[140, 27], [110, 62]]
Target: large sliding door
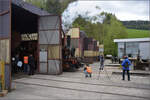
[[50, 45]]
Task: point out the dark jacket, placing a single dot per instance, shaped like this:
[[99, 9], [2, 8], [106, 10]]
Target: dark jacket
[[31, 61]]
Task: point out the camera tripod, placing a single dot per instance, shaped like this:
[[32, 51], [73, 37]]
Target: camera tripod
[[101, 69]]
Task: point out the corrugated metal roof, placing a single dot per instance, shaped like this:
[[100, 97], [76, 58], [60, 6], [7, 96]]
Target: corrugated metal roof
[[133, 40], [30, 8]]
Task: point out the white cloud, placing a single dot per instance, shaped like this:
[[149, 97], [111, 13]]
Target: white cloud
[[124, 10]]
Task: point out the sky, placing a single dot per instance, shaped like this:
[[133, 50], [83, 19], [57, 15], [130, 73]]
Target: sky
[[124, 10]]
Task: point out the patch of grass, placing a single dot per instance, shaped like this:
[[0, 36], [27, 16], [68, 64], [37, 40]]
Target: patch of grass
[[134, 33]]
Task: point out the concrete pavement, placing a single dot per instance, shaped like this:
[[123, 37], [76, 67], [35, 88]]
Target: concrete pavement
[[74, 85]]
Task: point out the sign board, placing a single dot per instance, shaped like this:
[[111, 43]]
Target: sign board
[[29, 37]]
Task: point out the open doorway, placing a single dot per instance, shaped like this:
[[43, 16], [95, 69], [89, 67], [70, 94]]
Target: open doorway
[[24, 39]]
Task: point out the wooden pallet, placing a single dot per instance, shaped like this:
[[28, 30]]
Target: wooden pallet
[[3, 93]]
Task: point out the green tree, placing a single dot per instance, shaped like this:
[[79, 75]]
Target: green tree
[[113, 29], [39, 3], [91, 29], [52, 6], [105, 32]]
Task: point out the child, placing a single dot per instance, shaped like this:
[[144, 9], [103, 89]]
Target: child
[[87, 71]]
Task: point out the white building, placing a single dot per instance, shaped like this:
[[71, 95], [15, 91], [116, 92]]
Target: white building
[[134, 47]]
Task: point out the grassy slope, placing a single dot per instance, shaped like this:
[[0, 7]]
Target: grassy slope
[[134, 33]]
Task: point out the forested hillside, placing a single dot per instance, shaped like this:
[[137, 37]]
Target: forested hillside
[[143, 25]]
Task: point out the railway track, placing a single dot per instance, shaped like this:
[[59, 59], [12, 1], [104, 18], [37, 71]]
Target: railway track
[[81, 90], [93, 83]]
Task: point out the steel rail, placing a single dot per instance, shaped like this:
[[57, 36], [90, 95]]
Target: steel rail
[[81, 90], [92, 83]]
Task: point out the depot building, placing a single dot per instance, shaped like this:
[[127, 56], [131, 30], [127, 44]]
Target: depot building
[[26, 29]]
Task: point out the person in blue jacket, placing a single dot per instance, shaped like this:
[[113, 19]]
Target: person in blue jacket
[[126, 63]]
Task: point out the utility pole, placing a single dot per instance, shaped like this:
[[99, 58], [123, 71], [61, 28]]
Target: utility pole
[[124, 49]]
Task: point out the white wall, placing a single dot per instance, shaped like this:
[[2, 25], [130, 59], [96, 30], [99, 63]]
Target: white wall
[[145, 50]]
